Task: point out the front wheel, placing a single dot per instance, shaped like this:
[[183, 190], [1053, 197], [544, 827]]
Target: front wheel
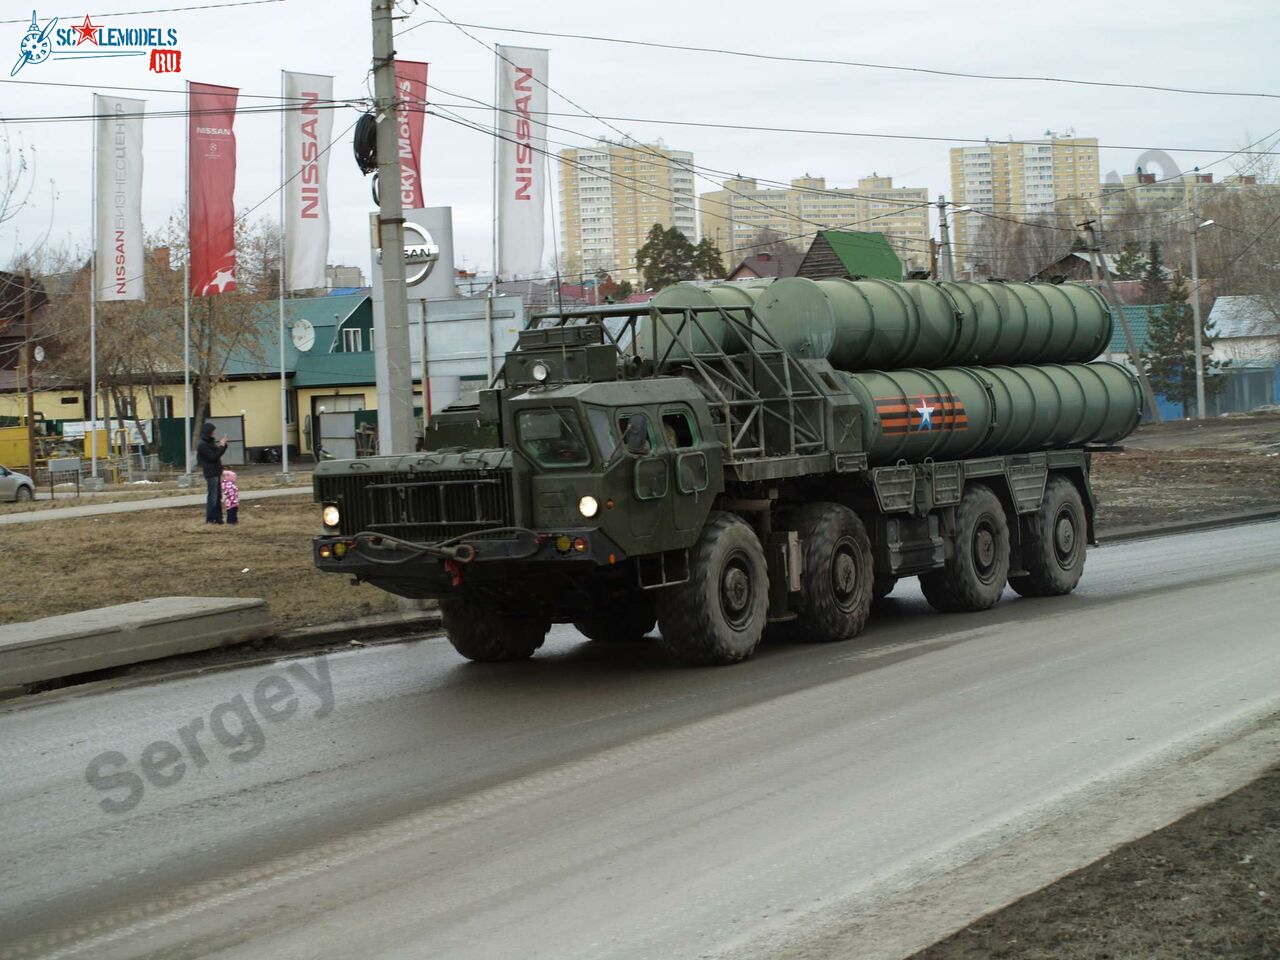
[[1053, 551], [25, 495], [479, 632], [974, 577], [717, 616]]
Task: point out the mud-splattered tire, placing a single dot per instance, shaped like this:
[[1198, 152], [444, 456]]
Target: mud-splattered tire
[[974, 577], [25, 495], [718, 615], [628, 622], [1053, 550], [479, 632], [836, 582]]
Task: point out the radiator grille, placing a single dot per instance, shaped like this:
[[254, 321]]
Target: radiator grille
[[422, 507]]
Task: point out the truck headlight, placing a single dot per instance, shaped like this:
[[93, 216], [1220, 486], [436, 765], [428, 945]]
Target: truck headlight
[[540, 372], [588, 506], [330, 516]]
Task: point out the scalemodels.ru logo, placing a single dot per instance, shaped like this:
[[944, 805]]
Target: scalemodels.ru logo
[[88, 39]]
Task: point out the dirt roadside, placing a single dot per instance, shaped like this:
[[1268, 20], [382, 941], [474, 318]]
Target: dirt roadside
[[1205, 886]]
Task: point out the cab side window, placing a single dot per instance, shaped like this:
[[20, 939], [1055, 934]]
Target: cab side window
[[631, 424], [678, 430]]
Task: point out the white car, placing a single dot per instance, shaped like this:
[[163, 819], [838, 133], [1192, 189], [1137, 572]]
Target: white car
[[16, 486]]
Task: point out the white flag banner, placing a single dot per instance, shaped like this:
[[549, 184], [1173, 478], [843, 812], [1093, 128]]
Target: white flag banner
[[308, 127], [522, 158], [118, 161]]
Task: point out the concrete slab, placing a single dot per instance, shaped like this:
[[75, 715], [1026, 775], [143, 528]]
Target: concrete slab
[[75, 643]]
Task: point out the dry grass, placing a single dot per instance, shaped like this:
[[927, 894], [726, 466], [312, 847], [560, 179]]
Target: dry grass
[[91, 562]]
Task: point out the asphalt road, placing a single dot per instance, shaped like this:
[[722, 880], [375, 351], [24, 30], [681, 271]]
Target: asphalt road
[[598, 801]]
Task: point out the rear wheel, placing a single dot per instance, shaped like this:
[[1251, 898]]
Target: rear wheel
[[835, 598], [1053, 551], [627, 622], [25, 495], [718, 615], [974, 577], [479, 632]]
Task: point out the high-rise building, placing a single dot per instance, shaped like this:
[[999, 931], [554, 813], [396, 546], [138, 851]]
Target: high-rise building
[[1142, 192], [734, 216], [1021, 181], [611, 195]]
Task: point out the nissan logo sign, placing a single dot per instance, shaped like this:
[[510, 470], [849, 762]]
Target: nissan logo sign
[[420, 254]]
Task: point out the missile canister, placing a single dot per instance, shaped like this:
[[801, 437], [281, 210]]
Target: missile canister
[[875, 324], [711, 332], [980, 411]]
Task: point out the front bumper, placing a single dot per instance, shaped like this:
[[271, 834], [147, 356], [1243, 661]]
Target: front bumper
[[541, 551]]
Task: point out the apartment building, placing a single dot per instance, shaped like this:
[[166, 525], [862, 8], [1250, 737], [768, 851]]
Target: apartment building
[[1141, 191], [611, 194], [1022, 180], [733, 216]]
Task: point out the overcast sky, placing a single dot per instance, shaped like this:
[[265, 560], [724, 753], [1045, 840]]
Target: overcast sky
[[1226, 45]]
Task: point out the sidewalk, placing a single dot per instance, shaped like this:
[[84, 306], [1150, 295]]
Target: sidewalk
[[155, 503]]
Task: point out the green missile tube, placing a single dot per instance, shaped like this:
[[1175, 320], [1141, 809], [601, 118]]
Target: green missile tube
[[962, 412]]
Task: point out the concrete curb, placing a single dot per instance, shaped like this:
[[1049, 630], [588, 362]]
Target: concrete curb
[[1123, 534], [74, 644], [374, 627]]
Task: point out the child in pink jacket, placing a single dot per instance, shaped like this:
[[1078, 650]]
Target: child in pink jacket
[[230, 495]]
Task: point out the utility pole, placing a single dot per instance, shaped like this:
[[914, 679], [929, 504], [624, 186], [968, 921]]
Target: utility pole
[[392, 365], [1195, 304], [947, 267], [28, 347], [933, 259], [1148, 395]]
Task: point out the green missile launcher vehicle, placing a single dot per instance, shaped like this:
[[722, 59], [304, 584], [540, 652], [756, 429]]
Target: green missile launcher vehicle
[[701, 463]]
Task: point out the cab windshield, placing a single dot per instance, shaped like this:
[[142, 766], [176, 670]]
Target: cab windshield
[[553, 437]]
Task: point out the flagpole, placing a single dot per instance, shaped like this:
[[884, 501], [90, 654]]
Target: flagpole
[[284, 386], [497, 127], [186, 299], [93, 305]]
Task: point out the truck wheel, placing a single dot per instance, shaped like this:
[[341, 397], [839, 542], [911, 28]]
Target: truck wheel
[[882, 585], [717, 616], [629, 622], [974, 577], [479, 632], [835, 598], [1054, 549]]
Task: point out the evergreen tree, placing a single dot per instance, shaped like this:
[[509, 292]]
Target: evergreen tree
[[666, 257], [1154, 285], [707, 260], [1169, 357], [1130, 264]]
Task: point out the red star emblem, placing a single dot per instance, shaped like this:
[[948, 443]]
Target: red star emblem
[[87, 30]]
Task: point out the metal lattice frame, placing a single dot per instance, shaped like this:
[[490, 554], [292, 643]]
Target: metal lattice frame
[[731, 382]]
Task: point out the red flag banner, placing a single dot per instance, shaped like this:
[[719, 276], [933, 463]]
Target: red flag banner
[[211, 211], [411, 110]]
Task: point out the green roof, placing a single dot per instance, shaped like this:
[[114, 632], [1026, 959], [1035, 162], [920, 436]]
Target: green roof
[[864, 254], [333, 369], [325, 314], [1137, 316]]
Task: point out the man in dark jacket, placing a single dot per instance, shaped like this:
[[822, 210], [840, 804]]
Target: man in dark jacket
[[209, 455]]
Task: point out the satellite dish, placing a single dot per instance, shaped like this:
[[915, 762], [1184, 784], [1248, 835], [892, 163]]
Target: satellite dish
[[304, 335], [39, 354]]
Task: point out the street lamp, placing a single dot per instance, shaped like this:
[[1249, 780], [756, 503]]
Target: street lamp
[[1195, 317]]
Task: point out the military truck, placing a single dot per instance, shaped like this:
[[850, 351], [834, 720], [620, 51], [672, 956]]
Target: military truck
[[729, 459]]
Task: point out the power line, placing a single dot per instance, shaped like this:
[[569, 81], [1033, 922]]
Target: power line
[[763, 128], [845, 63], [139, 13]]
